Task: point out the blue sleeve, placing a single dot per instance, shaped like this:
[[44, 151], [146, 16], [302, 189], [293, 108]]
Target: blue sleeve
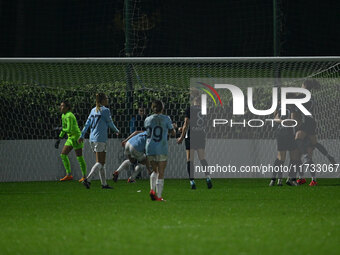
[[87, 125], [107, 116], [169, 123], [132, 125]]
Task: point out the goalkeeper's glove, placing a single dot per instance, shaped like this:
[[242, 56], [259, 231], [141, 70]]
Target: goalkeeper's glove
[[57, 144], [56, 132]]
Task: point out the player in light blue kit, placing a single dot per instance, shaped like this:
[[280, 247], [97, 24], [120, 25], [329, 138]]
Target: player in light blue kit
[[157, 127], [99, 121], [135, 151]]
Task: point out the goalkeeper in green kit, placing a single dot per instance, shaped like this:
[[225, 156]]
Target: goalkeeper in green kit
[[70, 127]]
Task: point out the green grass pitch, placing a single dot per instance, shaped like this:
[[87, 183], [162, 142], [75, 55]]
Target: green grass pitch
[[237, 216]]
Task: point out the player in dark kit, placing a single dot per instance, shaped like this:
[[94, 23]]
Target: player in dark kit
[[193, 132], [285, 137], [305, 137]]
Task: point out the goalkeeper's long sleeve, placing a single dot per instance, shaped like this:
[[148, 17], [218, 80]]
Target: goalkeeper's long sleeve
[[70, 125]]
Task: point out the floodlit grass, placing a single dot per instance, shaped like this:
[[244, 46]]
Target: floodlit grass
[[237, 216]]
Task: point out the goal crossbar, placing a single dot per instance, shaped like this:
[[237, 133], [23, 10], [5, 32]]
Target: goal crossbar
[[170, 60]]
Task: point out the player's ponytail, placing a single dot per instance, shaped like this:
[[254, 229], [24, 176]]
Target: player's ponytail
[[157, 106], [99, 99], [311, 84]]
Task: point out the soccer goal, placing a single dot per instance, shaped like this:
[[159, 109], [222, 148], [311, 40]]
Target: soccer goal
[[32, 89]]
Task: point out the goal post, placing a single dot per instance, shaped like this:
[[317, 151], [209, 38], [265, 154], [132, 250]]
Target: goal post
[[32, 89]]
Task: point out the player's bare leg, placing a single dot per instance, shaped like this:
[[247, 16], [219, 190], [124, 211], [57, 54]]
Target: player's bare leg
[[146, 162]]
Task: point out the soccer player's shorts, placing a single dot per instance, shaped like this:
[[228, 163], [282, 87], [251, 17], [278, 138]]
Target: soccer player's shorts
[[187, 143], [285, 140], [130, 150], [98, 146], [197, 141], [73, 141], [158, 158]]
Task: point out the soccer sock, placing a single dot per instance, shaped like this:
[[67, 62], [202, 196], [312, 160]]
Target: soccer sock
[[82, 165], [160, 185], [312, 173], [102, 175], [153, 179], [301, 169], [66, 163], [138, 169], [204, 163], [190, 167], [94, 169], [280, 173], [277, 163], [293, 169], [124, 166]]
